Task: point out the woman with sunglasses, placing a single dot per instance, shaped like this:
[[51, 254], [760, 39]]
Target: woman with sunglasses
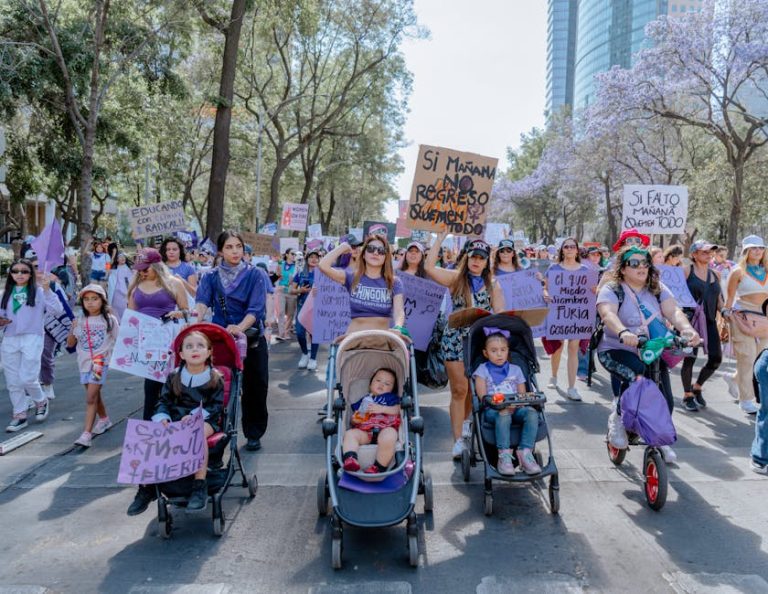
[[470, 285], [505, 260], [645, 306], [22, 310], [567, 259], [375, 293]]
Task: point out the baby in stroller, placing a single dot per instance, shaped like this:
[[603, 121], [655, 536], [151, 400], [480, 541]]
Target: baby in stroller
[[375, 419], [498, 375], [193, 384]]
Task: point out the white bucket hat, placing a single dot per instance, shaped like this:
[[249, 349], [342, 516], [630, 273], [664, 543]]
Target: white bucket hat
[[751, 241]]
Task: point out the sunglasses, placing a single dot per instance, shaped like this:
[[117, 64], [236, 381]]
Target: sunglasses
[[20, 271], [506, 251], [633, 263], [375, 249], [569, 247], [633, 241]]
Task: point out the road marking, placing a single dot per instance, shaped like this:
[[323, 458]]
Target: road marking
[[715, 583], [541, 583], [363, 588]]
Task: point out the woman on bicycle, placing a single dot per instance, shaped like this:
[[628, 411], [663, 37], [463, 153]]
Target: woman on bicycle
[[633, 303]]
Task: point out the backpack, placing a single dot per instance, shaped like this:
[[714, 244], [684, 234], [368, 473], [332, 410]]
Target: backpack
[[644, 411]]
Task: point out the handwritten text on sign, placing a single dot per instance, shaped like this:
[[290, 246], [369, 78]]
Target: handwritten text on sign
[[655, 209], [674, 279], [572, 311], [143, 346], [522, 290], [451, 191], [422, 299], [157, 219], [294, 217], [153, 453], [331, 315]]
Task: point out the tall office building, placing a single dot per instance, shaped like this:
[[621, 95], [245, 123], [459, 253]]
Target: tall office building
[[561, 53]]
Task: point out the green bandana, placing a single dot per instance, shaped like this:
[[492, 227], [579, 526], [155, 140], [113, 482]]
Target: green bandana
[[632, 251], [19, 298]]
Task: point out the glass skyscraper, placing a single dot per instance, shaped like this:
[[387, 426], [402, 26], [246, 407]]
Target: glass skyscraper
[[561, 53]]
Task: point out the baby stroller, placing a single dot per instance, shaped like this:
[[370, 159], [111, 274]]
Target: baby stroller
[[226, 359], [523, 354], [384, 499]]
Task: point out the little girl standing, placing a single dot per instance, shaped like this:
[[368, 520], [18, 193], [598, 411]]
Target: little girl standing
[[94, 334]]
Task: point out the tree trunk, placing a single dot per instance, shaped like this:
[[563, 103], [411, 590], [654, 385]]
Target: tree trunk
[[220, 154], [735, 220], [274, 190], [85, 222], [613, 233]]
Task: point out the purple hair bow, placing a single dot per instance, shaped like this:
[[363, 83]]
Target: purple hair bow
[[493, 330]]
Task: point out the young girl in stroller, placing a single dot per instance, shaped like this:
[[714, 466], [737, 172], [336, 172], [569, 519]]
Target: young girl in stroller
[[195, 383], [376, 419], [498, 375]]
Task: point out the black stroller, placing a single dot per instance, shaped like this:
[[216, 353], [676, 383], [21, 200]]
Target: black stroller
[[351, 364], [226, 358], [523, 354]]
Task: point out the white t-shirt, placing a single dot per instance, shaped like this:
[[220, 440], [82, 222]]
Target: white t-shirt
[[508, 385]]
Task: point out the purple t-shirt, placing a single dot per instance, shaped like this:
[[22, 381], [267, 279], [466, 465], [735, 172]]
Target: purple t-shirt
[[371, 297], [629, 314]]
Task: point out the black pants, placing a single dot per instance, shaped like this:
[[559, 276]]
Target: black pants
[[625, 366], [255, 387], [714, 358], [152, 391]]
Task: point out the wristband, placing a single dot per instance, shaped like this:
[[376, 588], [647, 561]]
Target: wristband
[[402, 330], [622, 332]]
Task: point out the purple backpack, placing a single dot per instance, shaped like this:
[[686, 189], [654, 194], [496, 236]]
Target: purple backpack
[[644, 411]]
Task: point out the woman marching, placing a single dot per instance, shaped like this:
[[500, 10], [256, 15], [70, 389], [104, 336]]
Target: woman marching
[[471, 284], [119, 280], [505, 260], [301, 286], [175, 260], [286, 303]]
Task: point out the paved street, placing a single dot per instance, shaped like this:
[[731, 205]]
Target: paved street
[[65, 530]]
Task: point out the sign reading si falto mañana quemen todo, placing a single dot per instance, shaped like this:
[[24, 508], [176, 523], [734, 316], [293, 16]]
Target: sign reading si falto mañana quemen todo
[[157, 219], [451, 191], [655, 209]]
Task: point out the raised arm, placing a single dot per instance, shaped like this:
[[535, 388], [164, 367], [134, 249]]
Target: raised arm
[[439, 275], [327, 262]]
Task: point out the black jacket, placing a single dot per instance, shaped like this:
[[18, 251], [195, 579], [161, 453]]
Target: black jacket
[[177, 407]]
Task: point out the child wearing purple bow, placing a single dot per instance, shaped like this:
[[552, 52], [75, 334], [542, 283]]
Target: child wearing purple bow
[[497, 374]]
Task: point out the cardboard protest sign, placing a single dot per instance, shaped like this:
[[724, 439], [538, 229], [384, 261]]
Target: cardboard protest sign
[[315, 231], [156, 219], [289, 243], [331, 315], [422, 299], [674, 279], [572, 311], [143, 346], [294, 216], [379, 228], [153, 453], [655, 209], [451, 191], [263, 245], [522, 290]]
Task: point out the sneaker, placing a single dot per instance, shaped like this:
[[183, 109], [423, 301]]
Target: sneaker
[[16, 424], [48, 391], [689, 404], [699, 398], [528, 462], [617, 434], [198, 499], [84, 439], [458, 447], [581, 377], [312, 365], [30, 403], [351, 464], [303, 361], [552, 383], [573, 394], [466, 429], [373, 469], [733, 387], [759, 468], [144, 496], [101, 425], [506, 464], [41, 413], [669, 455], [749, 407]]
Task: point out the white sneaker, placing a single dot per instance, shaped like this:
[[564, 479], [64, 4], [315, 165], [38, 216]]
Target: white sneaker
[[573, 394], [617, 435], [48, 391], [552, 383], [303, 361], [669, 455], [466, 429], [458, 447], [101, 425], [733, 387], [30, 403], [749, 407], [312, 365]]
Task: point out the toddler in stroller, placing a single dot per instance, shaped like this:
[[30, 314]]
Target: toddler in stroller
[[497, 376], [375, 420]]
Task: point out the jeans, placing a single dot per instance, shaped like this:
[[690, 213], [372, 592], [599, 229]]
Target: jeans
[[583, 369], [625, 366], [525, 416], [301, 336], [760, 444], [714, 358]]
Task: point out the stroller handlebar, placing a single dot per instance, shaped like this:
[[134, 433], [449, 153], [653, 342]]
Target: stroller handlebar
[[500, 401]]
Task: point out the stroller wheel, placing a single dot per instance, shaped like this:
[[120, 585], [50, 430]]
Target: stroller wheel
[[166, 525], [554, 498], [429, 494], [219, 523], [322, 495], [488, 505], [465, 464], [253, 485], [655, 475], [336, 553], [413, 550]]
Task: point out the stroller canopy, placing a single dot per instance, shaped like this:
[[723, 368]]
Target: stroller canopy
[[225, 353], [360, 354]]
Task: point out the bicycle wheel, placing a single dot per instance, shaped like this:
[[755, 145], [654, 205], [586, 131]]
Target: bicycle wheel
[[656, 480]]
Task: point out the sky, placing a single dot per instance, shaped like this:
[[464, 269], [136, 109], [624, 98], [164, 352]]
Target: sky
[[478, 81]]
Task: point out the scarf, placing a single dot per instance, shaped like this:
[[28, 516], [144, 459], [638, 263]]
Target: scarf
[[230, 276], [19, 297], [757, 271], [477, 283], [498, 373]]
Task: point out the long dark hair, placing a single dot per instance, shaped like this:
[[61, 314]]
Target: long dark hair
[[461, 285], [216, 378], [10, 284], [386, 270], [104, 311], [560, 251], [182, 251], [497, 260], [420, 271], [652, 283]]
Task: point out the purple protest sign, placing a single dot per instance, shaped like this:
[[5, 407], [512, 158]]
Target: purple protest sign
[[572, 311], [331, 315], [153, 453], [422, 299], [522, 290], [49, 247], [674, 279]]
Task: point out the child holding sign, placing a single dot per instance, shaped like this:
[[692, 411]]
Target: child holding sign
[[94, 334], [194, 384]]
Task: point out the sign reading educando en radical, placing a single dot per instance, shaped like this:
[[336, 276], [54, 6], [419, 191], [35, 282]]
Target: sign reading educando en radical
[[157, 219], [655, 209], [451, 191]]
